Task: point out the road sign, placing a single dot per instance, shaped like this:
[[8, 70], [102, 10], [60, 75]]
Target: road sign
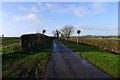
[[78, 31], [43, 31]]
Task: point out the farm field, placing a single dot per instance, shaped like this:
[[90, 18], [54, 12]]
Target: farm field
[[10, 44], [103, 37], [100, 37], [9, 40], [24, 64], [114, 38], [104, 60], [106, 43]]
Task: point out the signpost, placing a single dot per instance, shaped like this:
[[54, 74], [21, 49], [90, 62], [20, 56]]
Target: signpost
[[78, 32], [44, 31]]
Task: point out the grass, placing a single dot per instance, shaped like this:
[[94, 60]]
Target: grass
[[9, 45], [10, 40], [26, 64], [104, 60]]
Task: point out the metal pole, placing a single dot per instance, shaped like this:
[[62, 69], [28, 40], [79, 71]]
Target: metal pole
[[78, 32], [78, 39]]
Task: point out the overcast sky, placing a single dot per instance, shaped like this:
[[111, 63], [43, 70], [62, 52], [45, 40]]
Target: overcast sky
[[92, 18]]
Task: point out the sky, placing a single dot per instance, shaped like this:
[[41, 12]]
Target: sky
[[92, 18]]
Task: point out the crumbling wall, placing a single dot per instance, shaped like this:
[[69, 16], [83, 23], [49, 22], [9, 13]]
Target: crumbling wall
[[30, 41]]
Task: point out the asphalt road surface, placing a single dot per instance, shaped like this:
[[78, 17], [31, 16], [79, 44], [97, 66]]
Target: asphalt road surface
[[64, 63]]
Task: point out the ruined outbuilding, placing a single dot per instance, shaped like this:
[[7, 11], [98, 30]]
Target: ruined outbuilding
[[30, 41]]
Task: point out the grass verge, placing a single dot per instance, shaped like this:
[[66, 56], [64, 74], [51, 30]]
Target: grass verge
[[104, 60], [27, 64]]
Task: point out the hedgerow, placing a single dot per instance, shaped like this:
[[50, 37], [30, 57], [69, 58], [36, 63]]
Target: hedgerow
[[105, 44]]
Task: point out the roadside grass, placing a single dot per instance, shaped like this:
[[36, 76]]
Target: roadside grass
[[26, 64], [106, 61]]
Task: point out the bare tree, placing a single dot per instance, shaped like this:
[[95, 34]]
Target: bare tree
[[56, 33], [67, 30]]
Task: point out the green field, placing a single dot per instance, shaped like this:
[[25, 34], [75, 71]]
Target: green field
[[10, 40], [24, 64], [104, 60], [10, 44]]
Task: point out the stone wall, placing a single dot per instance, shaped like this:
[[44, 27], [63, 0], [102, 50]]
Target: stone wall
[[30, 41]]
